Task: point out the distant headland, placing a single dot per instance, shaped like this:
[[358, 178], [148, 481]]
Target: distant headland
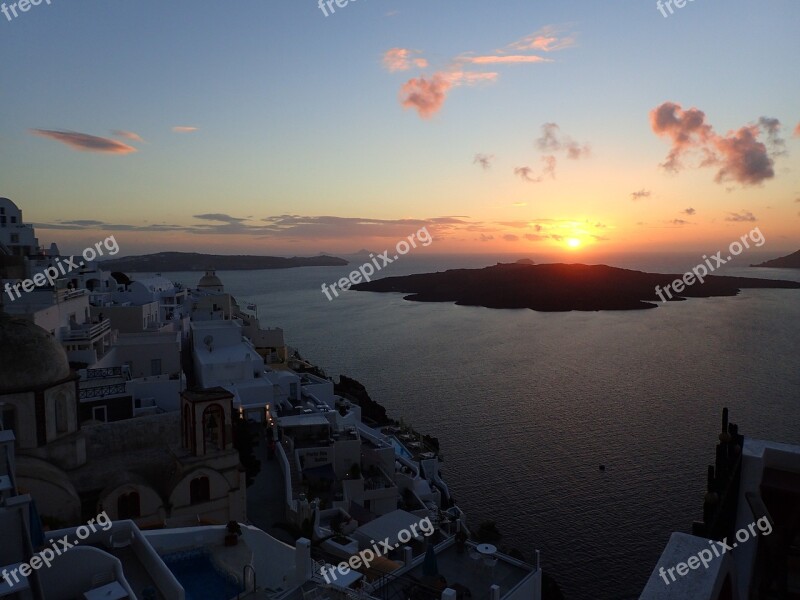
[[192, 261], [556, 287], [785, 262]]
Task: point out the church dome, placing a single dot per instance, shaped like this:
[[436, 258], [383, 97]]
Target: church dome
[[29, 356], [210, 281]]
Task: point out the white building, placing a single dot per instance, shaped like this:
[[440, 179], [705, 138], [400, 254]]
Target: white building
[[16, 238]]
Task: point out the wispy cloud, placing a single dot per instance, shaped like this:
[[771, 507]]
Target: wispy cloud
[[552, 140], [689, 211], [184, 129], [128, 135], [427, 93], [219, 217], [744, 216], [640, 194], [548, 39], [739, 155], [548, 170], [402, 59], [85, 142], [503, 60], [484, 160]]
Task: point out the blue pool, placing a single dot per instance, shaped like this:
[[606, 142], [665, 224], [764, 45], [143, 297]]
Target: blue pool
[[399, 449], [199, 577]]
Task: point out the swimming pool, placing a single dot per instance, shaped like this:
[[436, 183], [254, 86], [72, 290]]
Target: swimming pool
[[201, 580], [399, 449]]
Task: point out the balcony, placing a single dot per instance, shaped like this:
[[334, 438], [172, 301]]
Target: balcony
[[87, 332]]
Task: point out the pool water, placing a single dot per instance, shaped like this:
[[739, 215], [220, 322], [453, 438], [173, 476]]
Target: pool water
[[199, 577], [399, 449]]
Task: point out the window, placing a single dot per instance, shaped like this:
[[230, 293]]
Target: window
[[13, 219], [199, 490], [129, 506], [155, 366], [213, 428]]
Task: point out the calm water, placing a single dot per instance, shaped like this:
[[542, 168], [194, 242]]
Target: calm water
[[526, 405]]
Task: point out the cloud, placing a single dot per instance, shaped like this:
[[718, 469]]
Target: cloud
[[402, 59], [510, 237], [549, 169], [679, 222], [552, 140], [485, 238], [640, 194], [547, 39], [775, 142], [513, 59], [128, 135], [184, 129], [85, 142], [689, 211], [428, 94], [796, 132], [83, 223], [484, 160], [525, 173], [519, 204], [743, 217], [532, 237], [739, 155], [219, 217]]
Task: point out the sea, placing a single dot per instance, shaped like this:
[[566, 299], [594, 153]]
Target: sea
[[528, 405]]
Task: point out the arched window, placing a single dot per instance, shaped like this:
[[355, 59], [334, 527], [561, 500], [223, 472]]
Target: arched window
[[199, 490], [214, 428], [129, 506]]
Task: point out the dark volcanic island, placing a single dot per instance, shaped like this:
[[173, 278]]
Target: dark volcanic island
[[557, 287]]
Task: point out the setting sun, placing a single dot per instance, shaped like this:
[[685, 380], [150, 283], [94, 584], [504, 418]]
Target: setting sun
[[573, 242]]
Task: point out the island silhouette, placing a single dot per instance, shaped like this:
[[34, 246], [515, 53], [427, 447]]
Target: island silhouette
[[557, 287]]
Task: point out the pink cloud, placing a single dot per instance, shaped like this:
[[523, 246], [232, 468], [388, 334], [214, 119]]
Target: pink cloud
[[402, 59], [547, 39], [128, 135], [85, 142], [740, 156], [797, 131], [510, 59], [183, 129], [426, 96]]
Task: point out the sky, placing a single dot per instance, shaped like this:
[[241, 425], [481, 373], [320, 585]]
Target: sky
[[286, 127]]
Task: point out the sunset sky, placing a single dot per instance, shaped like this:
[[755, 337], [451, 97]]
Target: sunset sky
[[265, 127]]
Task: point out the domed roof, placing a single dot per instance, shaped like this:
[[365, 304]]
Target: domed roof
[[29, 356], [210, 279]]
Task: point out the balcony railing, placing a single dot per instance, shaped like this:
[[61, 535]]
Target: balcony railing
[[87, 332], [102, 391], [103, 373]]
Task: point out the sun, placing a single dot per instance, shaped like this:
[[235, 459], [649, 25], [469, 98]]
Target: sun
[[573, 242]]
